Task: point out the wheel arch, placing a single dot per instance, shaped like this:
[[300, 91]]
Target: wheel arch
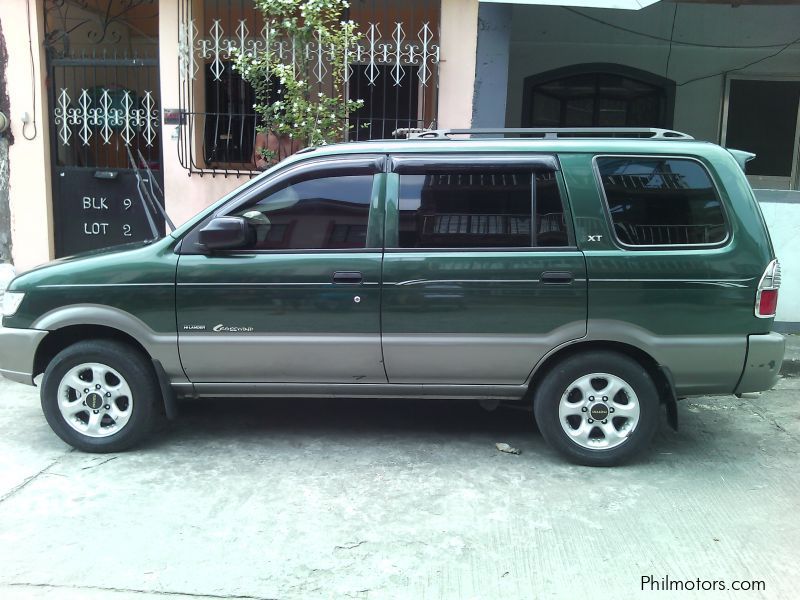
[[59, 339], [70, 324], [661, 375]]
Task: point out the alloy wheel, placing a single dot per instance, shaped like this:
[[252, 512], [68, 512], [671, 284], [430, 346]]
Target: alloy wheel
[[599, 411], [95, 400]]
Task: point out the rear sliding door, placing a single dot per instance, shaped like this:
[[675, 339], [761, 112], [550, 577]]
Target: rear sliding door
[[481, 275]]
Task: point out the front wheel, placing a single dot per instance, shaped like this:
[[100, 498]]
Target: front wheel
[[597, 408], [100, 396]]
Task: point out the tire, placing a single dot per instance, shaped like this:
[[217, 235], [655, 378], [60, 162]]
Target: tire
[[118, 383], [570, 396]]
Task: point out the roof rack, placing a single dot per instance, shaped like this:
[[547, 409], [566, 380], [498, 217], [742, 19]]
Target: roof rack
[[651, 133]]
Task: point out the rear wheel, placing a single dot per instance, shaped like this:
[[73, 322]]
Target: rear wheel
[[597, 408], [100, 396]]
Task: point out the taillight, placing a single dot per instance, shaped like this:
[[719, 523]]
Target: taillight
[[767, 293]]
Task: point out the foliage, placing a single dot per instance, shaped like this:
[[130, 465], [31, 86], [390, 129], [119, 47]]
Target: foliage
[[287, 102]]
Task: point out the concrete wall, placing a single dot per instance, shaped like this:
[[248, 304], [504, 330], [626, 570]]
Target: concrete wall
[[5, 211], [545, 38], [6, 139], [29, 161], [491, 65], [184, 195], [458, 43]]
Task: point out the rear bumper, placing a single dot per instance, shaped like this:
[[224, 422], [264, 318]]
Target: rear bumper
[[17, 351], [762, 366]]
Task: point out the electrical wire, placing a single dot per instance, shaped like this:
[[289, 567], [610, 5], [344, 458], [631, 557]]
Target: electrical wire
[[671, 38], [782, 47], [663, 39], [750, 64], [33, 77]]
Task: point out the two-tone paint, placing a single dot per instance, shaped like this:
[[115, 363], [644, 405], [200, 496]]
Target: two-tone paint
[[440, 323]]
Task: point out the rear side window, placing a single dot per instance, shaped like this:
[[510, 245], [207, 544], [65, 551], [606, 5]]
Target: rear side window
[[661, 201], [471, 209]]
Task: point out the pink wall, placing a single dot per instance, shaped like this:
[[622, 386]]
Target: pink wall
[[29, 184], [458, 43], [185, 196]]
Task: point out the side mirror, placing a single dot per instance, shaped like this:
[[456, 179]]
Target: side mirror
[[224, 233]]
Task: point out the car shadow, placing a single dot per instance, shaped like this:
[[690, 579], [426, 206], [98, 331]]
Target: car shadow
[[360, 423], [353, 416]]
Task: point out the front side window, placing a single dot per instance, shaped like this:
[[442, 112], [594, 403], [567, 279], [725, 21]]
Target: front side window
[[661, 201], [315, 214], [480, 210]]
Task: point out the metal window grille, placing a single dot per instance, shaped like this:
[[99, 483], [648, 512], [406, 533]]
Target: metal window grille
[[393, 69], [103, 82]]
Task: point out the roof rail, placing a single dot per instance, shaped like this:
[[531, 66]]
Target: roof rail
[[651, 133]]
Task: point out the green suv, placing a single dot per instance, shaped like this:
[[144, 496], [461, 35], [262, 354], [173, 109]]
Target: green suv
[[598, 275]]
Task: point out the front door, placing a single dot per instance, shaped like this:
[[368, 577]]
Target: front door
[[481, 275], [301, 304]]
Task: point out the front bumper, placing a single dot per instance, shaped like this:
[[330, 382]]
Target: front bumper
[[17, 352], [762, 368]]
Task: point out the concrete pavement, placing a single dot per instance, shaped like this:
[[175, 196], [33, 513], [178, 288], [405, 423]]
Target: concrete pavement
[[791, 359], [396, 499]]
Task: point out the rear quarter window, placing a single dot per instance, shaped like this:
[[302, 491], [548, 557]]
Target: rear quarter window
[[661, 201]]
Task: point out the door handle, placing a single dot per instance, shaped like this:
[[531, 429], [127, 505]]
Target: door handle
[[561, 277], [350, 277]]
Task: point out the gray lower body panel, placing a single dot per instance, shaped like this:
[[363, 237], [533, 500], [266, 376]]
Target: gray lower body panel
[[17, 352], [700, 364], [241, 358], [763, 366], [474, 359]]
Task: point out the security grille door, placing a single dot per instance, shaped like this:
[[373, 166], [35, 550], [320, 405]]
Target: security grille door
[[105, 124]]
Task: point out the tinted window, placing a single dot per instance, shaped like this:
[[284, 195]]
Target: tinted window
[[330, 212], [661, 201], [480, 210]]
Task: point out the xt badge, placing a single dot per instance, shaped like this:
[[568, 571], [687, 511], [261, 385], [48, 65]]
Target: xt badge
[[595, 238]]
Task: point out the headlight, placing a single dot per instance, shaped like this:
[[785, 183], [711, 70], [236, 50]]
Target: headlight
[[11, 302]]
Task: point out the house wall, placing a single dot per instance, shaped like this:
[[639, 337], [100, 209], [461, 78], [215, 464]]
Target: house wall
[[458, 43], [29, 159], [29, 183], [545, 38], [185, 196], [6, 138], [494, 33]]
